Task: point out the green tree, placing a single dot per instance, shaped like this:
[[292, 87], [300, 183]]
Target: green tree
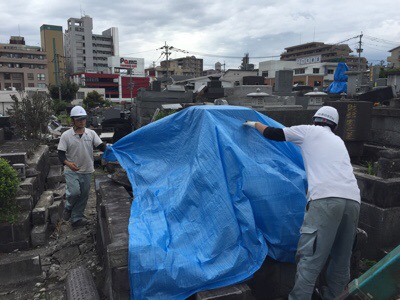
[[94, 99], [31, 114], [9, 182], [68, 91]]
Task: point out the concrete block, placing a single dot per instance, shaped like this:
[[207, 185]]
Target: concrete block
[[18, 231], [55, 176], [117, 215], [120, 279], [10, 247], [15, 158], [381, 225], [381, 192], [273, 280], [40, 212], [39, 235], [22, 228], [6, 235], [25, 202], [55, 211], [20, 168], [22, 269], [117, 252], [30, 186], [234, 292]]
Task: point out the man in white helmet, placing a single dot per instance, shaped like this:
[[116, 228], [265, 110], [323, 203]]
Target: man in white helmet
[[331, 217], [75, 151]]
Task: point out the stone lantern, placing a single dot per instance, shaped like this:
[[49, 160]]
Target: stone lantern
[[316, 99]]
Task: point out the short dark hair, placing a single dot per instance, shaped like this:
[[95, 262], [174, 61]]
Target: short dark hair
[[332, 125]]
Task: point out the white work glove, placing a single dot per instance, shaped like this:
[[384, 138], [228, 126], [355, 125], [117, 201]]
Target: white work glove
[[250, 123]]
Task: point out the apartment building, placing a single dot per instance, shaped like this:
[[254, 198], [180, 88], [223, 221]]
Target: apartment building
[[22, 65], [51, 37], [394, 58], [317, 52], [88, 52], [186, 66], [315, 74]]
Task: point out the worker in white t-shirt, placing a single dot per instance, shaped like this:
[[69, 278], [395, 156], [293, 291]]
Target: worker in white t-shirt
[[331, 217]]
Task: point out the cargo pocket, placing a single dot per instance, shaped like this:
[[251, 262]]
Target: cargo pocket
[[307, 243]]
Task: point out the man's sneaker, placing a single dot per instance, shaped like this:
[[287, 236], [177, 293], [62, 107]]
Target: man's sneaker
[[79, 223], [66, 215]]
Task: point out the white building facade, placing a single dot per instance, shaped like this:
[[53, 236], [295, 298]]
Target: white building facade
[[309, 71], [88, 52]]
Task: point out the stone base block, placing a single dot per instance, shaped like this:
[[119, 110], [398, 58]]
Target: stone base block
[[39, 235], [19, 270], [382, 226], [55, 211]]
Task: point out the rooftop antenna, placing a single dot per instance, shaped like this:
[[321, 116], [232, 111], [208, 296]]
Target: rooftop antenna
[[19, 31], [314, 35]]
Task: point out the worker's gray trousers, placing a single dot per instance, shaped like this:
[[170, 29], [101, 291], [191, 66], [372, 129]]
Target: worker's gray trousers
[[328, 229], [77, 193]]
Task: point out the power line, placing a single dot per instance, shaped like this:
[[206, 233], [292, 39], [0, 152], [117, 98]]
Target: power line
[[381, 40]]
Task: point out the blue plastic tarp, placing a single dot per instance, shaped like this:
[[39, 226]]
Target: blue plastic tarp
[[212, 199], [339, 85]]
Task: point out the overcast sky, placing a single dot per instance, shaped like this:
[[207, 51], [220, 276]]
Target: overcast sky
[[216, 30]]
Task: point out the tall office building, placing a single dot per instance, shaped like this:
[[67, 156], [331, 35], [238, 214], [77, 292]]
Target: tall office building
[[51, 37], [22, 65], [88, 52]]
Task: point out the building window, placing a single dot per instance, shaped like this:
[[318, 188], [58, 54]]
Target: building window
[[31, 84], [30, 76], [315, 70], [317, 83], [41, 85], [300, 71], [330, 71], [41, 77], [16, 76], [7, 76], [264, 74]]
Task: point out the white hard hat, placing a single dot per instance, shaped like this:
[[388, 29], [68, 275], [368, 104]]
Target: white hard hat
[[78, 112], [327, 114]]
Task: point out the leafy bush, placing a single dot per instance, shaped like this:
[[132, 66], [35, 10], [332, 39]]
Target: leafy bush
[[68, 90], [9, 182], [59, 106], [94, 99], [31, 115]]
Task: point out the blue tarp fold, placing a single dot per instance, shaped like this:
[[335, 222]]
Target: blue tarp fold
[[339, 85], [212, 198]]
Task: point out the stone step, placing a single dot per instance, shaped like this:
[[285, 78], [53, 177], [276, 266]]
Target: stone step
[[13, 271], [54, 177], [40, 213]]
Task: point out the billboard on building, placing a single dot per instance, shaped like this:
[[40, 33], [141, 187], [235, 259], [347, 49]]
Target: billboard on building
[[309, 60], [123, 65]]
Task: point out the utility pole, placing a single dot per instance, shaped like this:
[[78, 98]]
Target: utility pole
[[359, 50], [57, 69], [167, 53], [131, 84]]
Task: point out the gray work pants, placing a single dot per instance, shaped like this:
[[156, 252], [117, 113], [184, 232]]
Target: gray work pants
[[77, 193], [328, 229]]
